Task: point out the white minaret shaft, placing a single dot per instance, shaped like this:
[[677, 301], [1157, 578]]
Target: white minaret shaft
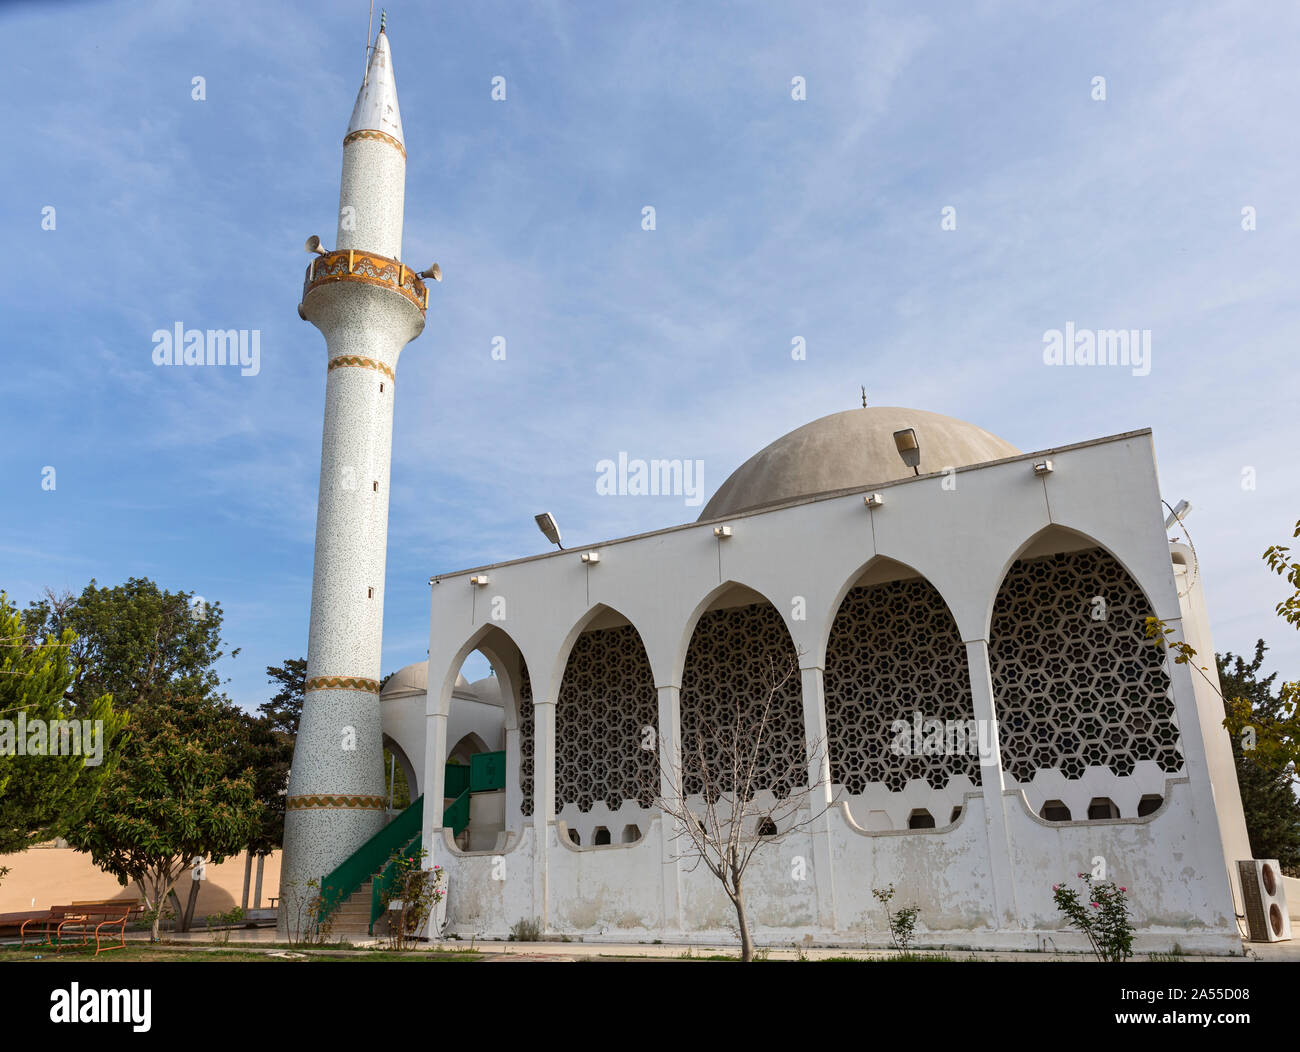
[[368, 305]]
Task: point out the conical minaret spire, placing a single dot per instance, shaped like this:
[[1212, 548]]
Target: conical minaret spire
[[376, 108], [368, 305]]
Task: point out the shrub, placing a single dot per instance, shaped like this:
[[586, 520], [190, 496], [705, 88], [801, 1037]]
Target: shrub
[[902, 925], [525, 931], [1104, 920]]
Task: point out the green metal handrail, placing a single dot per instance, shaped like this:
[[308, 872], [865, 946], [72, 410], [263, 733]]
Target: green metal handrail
[[362, 864], [455, 817], [403, 833], [410, 850]]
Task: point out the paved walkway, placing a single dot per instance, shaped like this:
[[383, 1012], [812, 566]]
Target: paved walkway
[[571, 951]]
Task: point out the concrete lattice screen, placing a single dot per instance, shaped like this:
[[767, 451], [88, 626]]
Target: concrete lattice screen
[[731, 653], [1074, 690], [526, 730], [894, 650], [607, 699]]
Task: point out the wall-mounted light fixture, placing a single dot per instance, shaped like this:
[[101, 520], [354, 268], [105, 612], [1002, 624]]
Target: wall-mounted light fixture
[[479, 580], [590, 557], [874, 500], [1043, 467], [546, 523], [1181, 510], [722, 532], [908, 448]]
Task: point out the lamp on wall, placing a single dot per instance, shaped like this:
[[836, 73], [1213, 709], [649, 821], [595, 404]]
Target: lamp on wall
[[546, 523], [1181, 510], [908, 448]]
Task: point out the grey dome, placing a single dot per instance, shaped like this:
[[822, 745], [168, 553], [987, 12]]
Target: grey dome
[[848, 450]]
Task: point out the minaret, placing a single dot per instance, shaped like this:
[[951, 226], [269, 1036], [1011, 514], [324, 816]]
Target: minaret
[[369, 306]]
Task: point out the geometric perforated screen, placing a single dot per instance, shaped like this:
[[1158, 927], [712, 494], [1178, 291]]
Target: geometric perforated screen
[[606, 699], [526, 728], [1073, 689], [894, 650], [728, 664]]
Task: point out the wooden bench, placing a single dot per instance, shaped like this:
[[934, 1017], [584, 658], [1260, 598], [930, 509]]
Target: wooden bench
[[102, 919]]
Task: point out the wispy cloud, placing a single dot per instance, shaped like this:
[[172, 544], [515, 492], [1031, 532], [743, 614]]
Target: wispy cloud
[[775, 219]]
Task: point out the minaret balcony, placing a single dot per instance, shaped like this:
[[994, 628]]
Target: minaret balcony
[[368, 268]]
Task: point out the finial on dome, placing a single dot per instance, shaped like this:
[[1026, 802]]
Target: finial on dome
[[864, 398], [383, 19]]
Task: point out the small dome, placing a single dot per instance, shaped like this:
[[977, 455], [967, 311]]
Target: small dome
[[413, 679], [487, 689], [849, 450]]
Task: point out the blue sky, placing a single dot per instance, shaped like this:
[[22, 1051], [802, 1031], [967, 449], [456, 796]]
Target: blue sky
[[776, 218]]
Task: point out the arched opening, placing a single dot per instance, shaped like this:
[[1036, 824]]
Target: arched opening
[[741, 702], [1054, 811], [484, 732], [399, 775], [920, 818], [766, 827], [606, 730], [631, 834], [600, 836], [898, 699], [469, 745], [1076, 683]]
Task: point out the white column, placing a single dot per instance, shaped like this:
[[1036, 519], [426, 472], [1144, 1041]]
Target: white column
[[435, 759], [817, 737], [1005, 909], [670, 780], [543, 804]]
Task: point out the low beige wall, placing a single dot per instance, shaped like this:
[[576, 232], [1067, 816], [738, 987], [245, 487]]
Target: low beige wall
[[57, 876]]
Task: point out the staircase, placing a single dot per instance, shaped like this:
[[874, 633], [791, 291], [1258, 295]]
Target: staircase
[[351, 920], [474, 811]]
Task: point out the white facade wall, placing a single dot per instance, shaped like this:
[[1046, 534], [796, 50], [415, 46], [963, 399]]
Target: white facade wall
[[985, 880]]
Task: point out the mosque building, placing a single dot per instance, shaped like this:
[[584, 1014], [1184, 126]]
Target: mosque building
[[925, 580]]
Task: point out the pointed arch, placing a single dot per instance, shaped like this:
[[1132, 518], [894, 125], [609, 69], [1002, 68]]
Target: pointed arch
[[729, 593], [469, 744], [1076, 683], [606, 702], [404, 762], [898, 697], [737, 638], [511, 669]]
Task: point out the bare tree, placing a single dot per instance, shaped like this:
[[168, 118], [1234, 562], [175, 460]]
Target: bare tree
[[736, 789]]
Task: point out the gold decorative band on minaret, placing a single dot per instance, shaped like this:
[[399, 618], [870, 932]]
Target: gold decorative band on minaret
[[344, 361], [335, 802], [376, 136], [366, 268], [366, 686]]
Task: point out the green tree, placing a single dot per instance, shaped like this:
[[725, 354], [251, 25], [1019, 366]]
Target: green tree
[[1267, 796], [271, 736], [284, 710], [46, 793], [136, 641], [180, 791]]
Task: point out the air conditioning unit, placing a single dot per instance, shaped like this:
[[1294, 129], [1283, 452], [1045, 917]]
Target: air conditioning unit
[[1265, 898]]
